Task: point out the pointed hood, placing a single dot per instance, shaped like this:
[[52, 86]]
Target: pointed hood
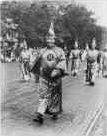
[[94, 42], [105, 47], [76, 44], [87, 46], [51, 34]]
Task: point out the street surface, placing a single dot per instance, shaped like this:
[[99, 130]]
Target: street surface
[[101, 126], [20, 100]]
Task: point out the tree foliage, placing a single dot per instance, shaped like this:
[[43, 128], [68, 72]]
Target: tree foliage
[[71, 21]]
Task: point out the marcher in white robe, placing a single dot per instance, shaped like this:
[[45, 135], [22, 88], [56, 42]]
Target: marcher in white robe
[[92, 65], [50, 64], [104, 62], [75, 59], [25, 59], [66, 56]]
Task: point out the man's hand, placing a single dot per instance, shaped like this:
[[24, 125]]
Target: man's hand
[[30, 65], [55, 73]]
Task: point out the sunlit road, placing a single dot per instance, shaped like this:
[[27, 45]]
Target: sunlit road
[[20, 100]]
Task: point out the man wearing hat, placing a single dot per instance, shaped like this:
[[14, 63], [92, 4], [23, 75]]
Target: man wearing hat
[[75, 57], [51, 68]]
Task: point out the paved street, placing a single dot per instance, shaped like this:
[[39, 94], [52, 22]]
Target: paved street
[[20, 100], [101, 125], [100, 128]]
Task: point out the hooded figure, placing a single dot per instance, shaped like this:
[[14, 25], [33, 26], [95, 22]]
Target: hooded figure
[[104, 62], [93, 45], [25, 59], [87, 47], [92, 64], [75, 58], [51, 68], [66, 56], [50, 38]]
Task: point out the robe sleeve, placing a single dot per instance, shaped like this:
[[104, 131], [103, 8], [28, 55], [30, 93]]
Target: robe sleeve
[[34, 59], [61, 61], [71, 55]]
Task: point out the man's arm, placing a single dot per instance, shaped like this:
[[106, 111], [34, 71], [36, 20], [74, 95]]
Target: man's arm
[[60, 68], [84, 55], [20, 58], [61, 64], [71, 55], [34, 60]]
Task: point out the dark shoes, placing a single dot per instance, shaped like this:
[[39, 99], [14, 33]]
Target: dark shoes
[[87, 79], [39, 119], [54, 117], [92, 83], [74, 74]]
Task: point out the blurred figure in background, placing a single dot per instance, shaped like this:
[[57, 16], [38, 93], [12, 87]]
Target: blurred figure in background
[[25, 60], [104, 62], [75, 59], [66, 56], [92, 63]]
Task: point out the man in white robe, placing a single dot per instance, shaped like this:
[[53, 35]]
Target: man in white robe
[[51, 65]]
